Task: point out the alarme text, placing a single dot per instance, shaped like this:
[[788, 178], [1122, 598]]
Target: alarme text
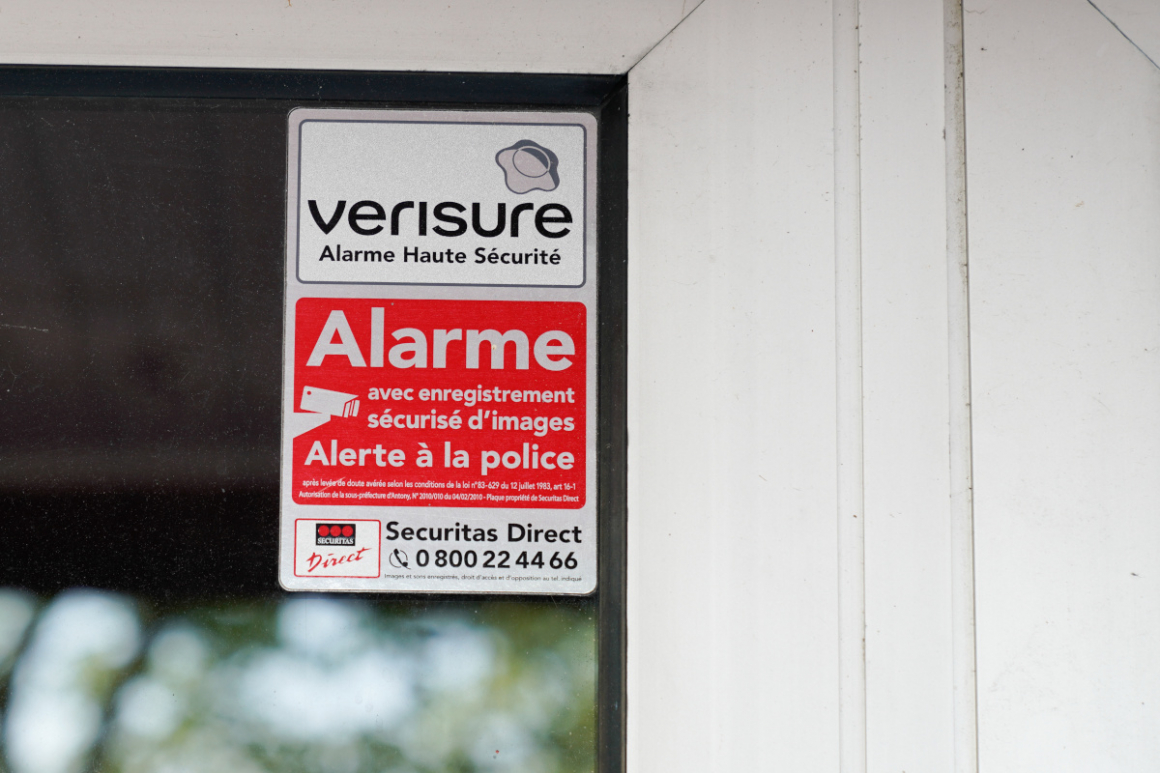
[[551, 349]]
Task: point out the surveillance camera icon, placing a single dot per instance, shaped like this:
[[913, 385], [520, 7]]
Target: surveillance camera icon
[[315, 400], [529, 166]]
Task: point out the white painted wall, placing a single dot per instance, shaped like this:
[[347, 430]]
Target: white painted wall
[[906, 388], [733, 462], [595, 36], [733, 628], [1064, 143], [1065, 312]]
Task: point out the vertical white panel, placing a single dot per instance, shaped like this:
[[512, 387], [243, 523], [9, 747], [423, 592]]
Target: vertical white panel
[[1063, 143], [905, 334], [851, 512], [732, 576]]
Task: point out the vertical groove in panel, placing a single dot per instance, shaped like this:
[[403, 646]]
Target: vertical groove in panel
[[848, 297], [958, 309]]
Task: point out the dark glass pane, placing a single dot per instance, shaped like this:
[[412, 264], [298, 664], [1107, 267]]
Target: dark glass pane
[[141, 248], [141, 261]]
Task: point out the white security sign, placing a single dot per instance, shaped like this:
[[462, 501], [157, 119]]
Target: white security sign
[[441, 203], [439, 388]]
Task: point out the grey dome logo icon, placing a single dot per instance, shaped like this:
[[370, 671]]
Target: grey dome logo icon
[[528, 166]]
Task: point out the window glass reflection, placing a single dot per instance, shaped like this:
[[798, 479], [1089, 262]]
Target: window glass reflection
[[105, 681], [141, 247]]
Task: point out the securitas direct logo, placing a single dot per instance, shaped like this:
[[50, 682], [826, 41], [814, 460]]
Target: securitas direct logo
[[334, 534]]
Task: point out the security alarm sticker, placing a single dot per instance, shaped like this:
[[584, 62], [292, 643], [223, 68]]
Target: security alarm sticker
[[439, 382], [441, 403]]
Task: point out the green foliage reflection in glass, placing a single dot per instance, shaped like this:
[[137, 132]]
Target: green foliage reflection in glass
[[102, 681]]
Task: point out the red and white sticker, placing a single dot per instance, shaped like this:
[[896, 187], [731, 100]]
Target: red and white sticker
[[441, 403], [439, 380]]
